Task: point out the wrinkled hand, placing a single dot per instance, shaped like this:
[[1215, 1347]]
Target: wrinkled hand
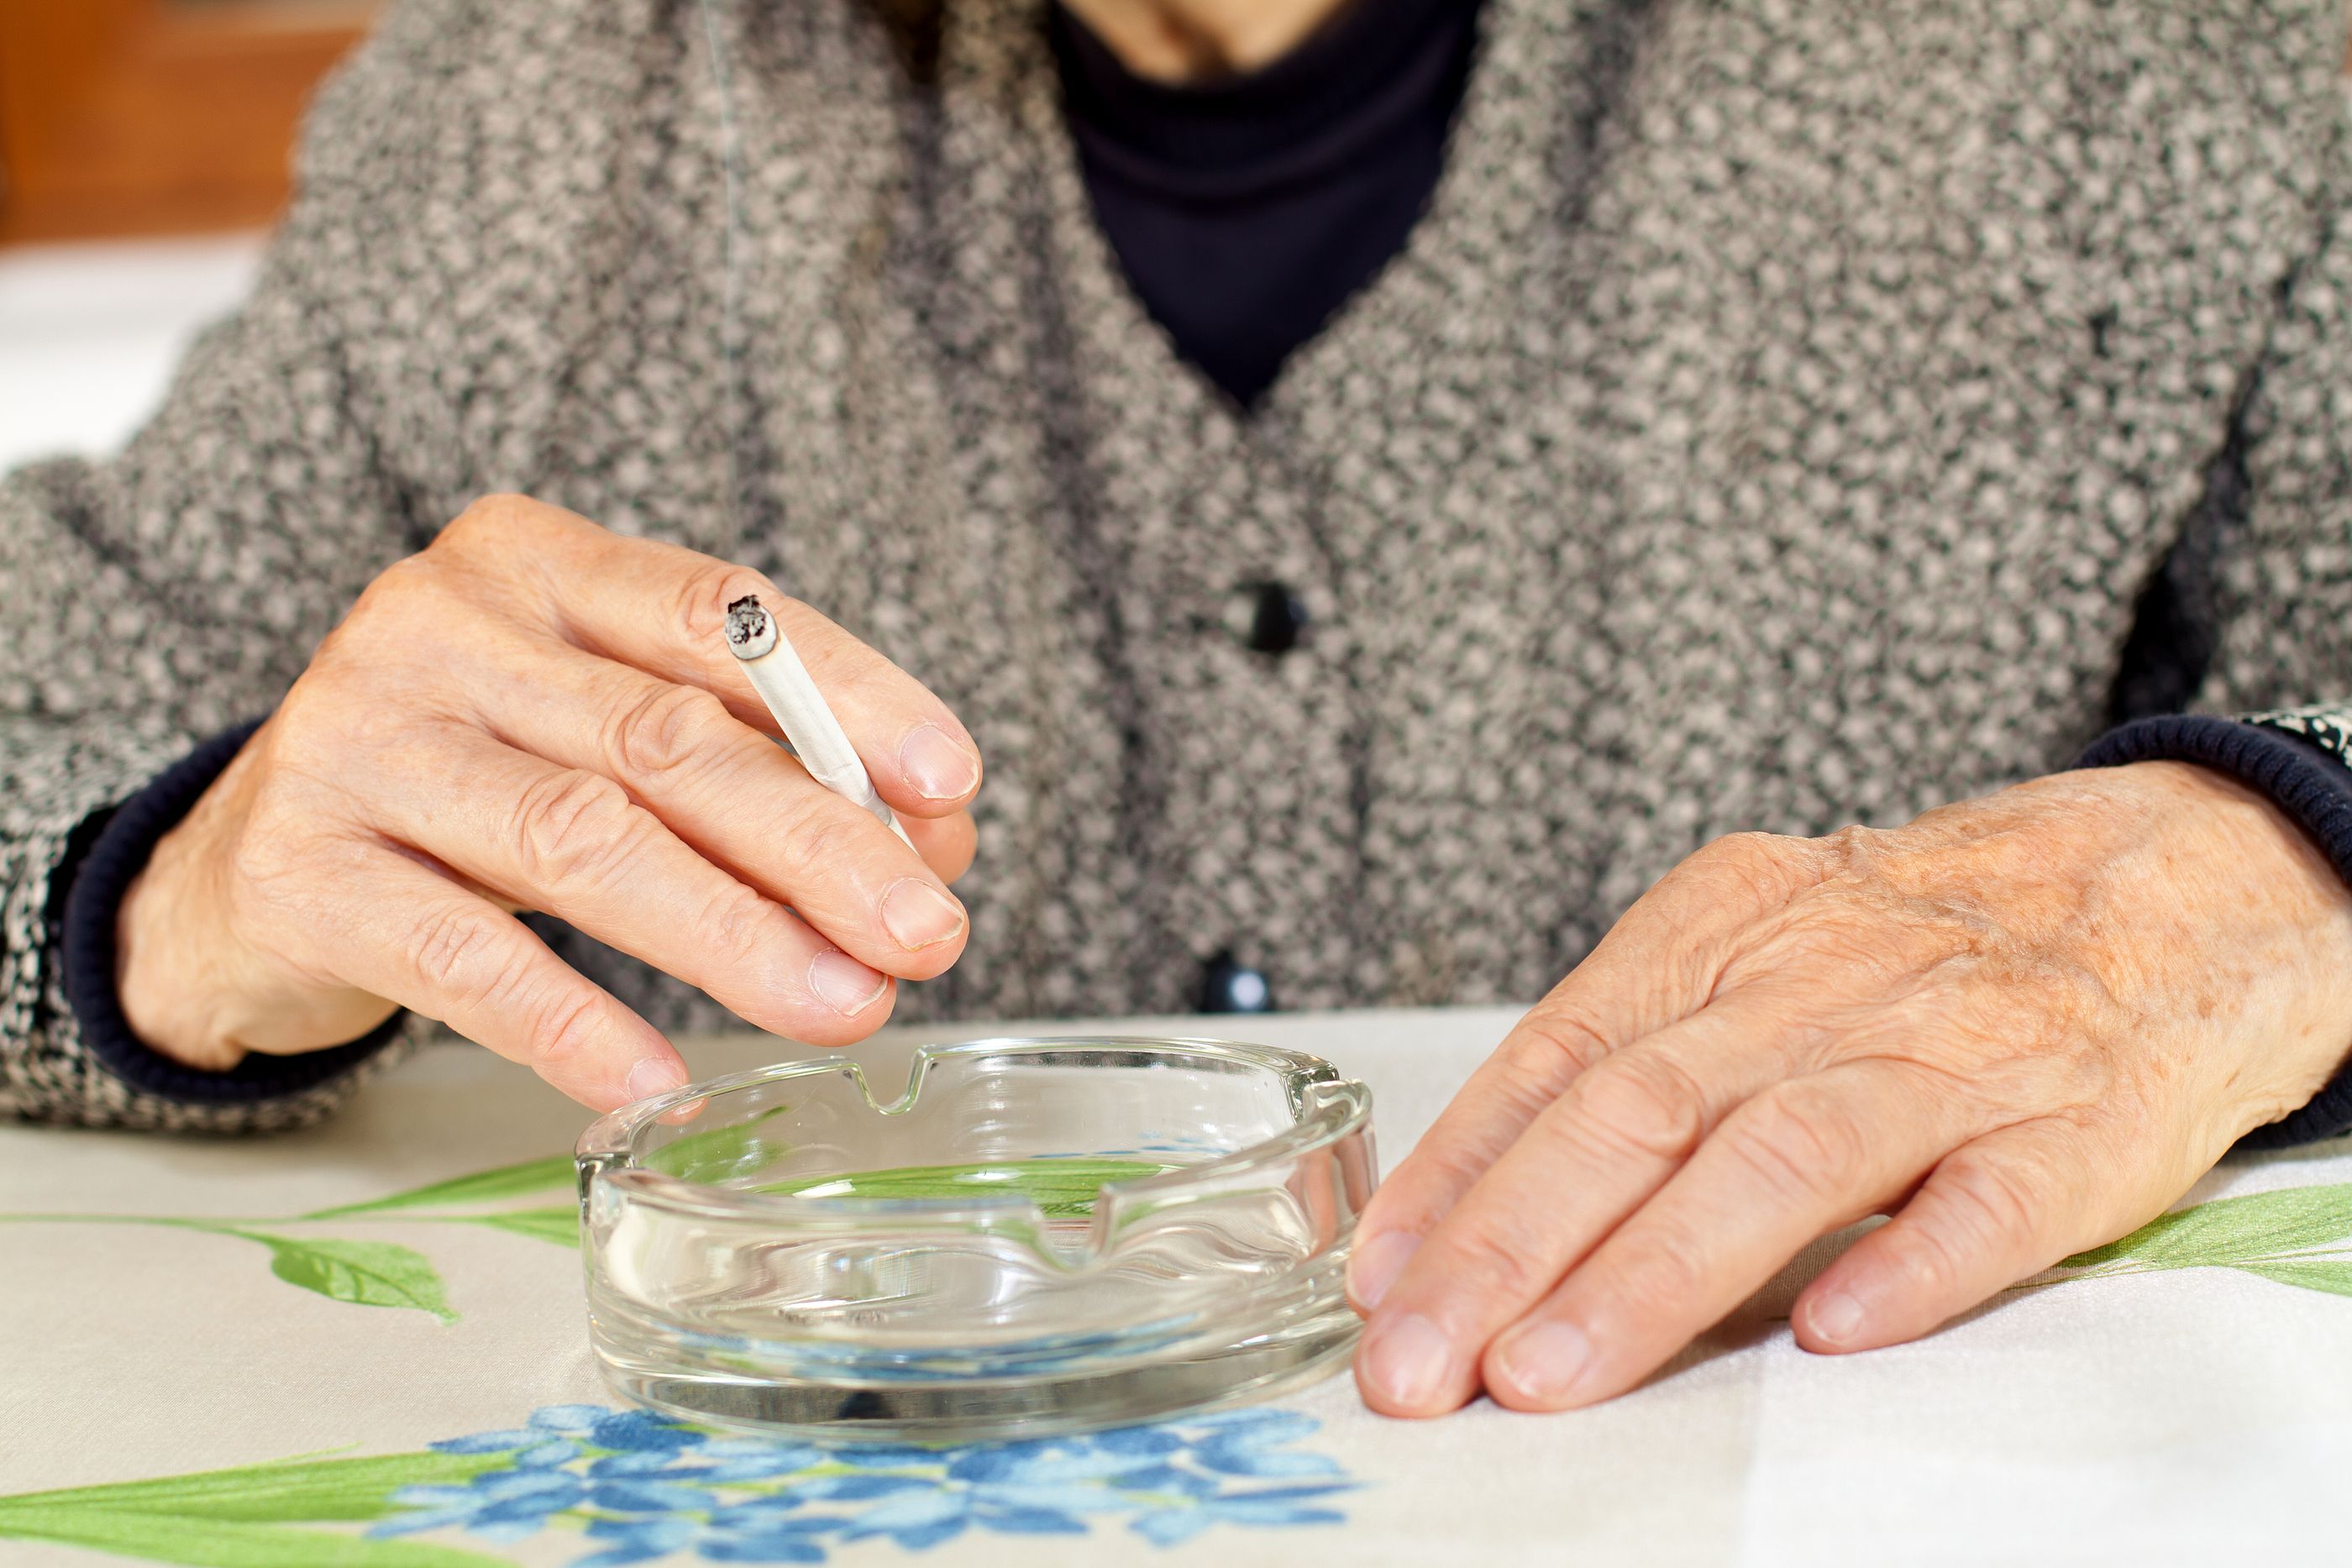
[[2023, 1025], [537, 714]]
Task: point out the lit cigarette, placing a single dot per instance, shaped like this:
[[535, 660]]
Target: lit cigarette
[[783, 684]]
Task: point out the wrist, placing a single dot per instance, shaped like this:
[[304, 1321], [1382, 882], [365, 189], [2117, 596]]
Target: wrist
[[2241, 861], [168, 982]]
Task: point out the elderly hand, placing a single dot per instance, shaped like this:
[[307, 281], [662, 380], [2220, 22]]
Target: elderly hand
[[2023, 1025], [537, 714]]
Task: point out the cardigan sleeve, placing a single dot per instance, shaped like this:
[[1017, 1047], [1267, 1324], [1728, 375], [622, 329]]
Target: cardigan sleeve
[[158, 598]]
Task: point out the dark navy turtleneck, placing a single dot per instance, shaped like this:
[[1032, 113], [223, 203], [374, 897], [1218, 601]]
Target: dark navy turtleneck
[[1245, 211]]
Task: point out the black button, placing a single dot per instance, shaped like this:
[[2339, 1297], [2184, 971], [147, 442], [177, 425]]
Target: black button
[[1269, 617], [1227, 985]]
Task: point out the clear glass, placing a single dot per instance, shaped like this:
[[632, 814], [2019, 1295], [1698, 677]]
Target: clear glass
[[1036, 1237]]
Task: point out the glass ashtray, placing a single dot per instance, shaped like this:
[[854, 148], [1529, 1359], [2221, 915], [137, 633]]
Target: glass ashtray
[[1036, 1237]]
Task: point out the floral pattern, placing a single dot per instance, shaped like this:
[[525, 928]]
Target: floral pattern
[[643, 1488], [636, 1487]]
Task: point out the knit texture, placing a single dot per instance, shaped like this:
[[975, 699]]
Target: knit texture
[[1775, 423]]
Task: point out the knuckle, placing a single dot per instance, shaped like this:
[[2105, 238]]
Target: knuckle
[[1430, 1183], [827, 834], [563, 1027], [459, 953], [1988, 1204], [403, 580], [1931, 1258], [1850, 845], [452, 949], [395, 640], [487, 520], [1502, 1261], [1560, 1040], [305, 719], [739, 924], [665, 730], [1765, 869], [388, 615], [1644, 1101], [1751, 849], [1798, 1139], [570, 825], [1661, 1276]]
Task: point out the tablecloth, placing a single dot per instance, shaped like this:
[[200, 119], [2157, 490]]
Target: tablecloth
[[364, 1344]]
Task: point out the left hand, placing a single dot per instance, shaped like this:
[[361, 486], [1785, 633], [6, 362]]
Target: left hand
[[2023, 1025]]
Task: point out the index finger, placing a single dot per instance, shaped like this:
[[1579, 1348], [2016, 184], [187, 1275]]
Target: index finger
[[663, 608]]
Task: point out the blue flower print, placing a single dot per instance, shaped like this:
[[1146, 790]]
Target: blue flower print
[[924, 1519], [646, 1482], [1257, 1443], [643, 1540], [757, 1531], [754, 1459], [634, 1430], [1277, 1506], [501, 1505], [642, 1487], [1042, 1487]]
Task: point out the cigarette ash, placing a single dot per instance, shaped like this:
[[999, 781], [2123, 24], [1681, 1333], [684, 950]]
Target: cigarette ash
[[750, 633]]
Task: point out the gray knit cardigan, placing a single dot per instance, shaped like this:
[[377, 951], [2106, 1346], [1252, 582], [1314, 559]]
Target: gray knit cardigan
[[1781, 418]]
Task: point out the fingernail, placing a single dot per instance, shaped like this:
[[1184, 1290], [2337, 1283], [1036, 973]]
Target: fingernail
[[919, 915], [1834, 1318], [1406, 1361], [1376, 1265], [654, 1076], [939, 766], [1545, 1362], [847, 985]]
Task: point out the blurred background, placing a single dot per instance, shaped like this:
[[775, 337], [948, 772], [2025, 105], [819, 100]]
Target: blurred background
[[143, 148]]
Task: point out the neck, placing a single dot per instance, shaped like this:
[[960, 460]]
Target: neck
[[1189, 40]]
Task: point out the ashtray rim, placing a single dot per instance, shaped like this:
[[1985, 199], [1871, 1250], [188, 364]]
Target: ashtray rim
[[1331, 1108]]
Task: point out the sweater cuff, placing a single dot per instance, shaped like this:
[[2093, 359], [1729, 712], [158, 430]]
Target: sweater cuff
[[86, 942], [2303, 780]]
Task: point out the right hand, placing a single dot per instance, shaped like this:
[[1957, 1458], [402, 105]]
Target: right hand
[[536, 713]]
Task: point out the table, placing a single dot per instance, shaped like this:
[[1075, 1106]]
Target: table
[[2175, 1409]]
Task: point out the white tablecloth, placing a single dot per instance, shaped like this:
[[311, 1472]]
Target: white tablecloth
[[2188, 1414]]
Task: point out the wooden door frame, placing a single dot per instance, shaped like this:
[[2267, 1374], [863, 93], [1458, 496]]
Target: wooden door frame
[[149, 116]]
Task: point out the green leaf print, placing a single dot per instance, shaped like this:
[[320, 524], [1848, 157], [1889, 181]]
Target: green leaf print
[[370, 1273], [560, 1226], [738, 1148], [483, 1187], [236, 1518], [1062, 1188], [379, 1273], [224, 1543], [309, 1490], [2333, 1275], [2233, 1229]]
